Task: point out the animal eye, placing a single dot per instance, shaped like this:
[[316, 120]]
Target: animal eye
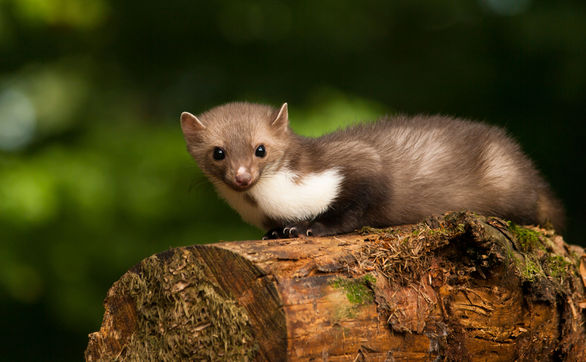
[[219, 154], [260, 151]]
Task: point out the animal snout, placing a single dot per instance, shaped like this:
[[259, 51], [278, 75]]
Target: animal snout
[[243, 177]]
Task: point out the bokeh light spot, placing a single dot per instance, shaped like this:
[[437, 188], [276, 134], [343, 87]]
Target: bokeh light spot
[[17, 119]]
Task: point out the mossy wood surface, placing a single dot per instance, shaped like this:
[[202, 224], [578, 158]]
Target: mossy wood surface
[[458, 287]]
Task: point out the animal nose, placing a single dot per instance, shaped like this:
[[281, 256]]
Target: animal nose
[[243, 177]]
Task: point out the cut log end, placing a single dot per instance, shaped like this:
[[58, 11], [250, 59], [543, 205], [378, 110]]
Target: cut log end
[[179, 304], [462, 286]]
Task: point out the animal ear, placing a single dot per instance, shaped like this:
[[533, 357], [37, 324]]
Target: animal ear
[[282, 119], [190, 124]]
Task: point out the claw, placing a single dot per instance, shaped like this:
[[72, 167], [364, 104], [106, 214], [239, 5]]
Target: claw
[[309, 232], [293, 233]]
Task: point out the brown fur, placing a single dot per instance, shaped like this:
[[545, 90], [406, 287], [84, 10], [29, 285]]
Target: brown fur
[[397, 170]]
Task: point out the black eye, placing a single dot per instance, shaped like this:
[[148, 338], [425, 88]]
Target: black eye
[[260, 151], [219, 154]]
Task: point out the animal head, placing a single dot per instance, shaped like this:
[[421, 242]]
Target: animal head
[[235, 142]]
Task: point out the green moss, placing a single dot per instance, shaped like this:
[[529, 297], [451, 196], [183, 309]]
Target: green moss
[[531, 270], [535, 262], [524, 264], [370, 279], [183, 315], [557, 266], [357, 290], [528, 239]]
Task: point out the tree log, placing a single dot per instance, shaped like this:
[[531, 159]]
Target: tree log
[[457, 287]]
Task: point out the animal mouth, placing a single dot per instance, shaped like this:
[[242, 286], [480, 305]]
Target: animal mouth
[[241, 187]]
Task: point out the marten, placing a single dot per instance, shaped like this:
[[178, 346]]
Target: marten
[[396, 170]]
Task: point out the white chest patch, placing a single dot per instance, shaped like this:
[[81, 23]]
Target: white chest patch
[[284, 196]]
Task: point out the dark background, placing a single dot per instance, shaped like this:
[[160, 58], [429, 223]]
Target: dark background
[[94, 175]]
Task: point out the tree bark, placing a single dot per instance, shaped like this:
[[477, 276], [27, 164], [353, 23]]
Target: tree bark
[[457, 287]]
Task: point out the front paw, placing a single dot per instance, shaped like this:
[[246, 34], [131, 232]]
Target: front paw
[[290, 231], [295, 231], [276, 233]]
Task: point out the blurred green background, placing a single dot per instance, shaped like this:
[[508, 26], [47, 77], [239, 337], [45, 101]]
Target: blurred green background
[[94, 175]]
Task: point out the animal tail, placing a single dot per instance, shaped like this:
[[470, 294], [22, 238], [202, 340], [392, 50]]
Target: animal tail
[[550, 211]]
